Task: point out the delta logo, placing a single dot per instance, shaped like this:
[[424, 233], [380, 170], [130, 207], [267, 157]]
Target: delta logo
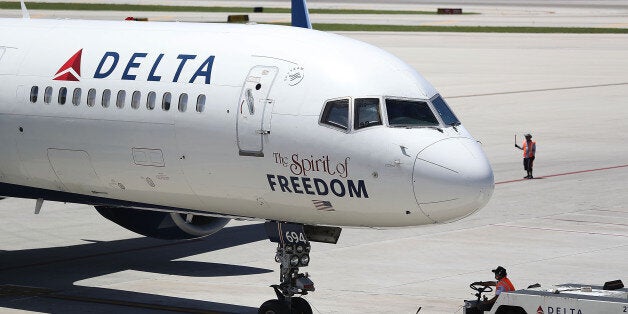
[[558, 310], [111, 60], [71, 69]]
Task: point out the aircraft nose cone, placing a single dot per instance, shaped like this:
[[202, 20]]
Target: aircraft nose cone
[[452, 179]]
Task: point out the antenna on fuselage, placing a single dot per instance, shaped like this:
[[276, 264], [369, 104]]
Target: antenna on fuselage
[[25, 14]]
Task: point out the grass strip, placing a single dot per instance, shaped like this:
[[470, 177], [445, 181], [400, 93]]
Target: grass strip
[[166, 8], [468, 29]]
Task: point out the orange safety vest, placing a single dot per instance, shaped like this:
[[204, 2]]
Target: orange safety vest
[[505, 286], [528, 151]]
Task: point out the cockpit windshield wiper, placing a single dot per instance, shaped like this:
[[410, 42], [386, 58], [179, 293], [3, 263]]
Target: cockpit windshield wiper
[[436, 128], [454, 125]]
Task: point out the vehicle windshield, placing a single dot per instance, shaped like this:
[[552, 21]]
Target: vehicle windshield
[[409, 113], [448, 116]]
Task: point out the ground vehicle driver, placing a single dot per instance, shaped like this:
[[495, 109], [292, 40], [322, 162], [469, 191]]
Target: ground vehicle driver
[[502, 284]]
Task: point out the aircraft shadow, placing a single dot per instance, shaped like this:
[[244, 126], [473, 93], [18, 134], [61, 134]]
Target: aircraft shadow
[[57, 269]]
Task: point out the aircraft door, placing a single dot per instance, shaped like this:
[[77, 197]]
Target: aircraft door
[[251, 110]]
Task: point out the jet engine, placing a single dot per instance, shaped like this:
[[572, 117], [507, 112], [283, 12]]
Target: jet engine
[[163, 225]]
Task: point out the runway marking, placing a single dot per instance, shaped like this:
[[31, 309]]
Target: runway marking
[[616, 25], [564, 230], [609, 210], [563, 174], [437, 23], [539, 90], [586, 221], [12, 290], [131, 304], [97, 255]]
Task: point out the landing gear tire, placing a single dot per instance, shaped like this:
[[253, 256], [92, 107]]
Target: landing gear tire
[[273, 307], [300, 306]]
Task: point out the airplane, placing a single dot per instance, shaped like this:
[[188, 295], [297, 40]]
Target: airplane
[[172, 129]]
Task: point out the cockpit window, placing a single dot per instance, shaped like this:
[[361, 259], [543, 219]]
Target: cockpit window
[[337, 113], [449, 118], [409, 113], [366, 112]]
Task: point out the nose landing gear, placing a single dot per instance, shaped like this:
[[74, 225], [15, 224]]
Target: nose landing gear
[[293, 249]]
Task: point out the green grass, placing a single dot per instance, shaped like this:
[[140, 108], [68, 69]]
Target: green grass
[[164, 8], [469, 29]]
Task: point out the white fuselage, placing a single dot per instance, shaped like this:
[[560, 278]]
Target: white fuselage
[[257, 148]]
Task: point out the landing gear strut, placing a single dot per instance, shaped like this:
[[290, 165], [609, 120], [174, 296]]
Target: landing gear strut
[[293, 251]]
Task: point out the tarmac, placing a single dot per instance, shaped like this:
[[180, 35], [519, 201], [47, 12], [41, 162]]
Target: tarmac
[[568, 225]]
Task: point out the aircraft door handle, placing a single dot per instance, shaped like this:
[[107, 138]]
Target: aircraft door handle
[[262, 132]]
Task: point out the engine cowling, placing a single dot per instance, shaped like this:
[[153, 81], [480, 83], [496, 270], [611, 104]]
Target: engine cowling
[[162, 225]]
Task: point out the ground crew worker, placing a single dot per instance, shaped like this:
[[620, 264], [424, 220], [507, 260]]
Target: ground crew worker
[[502, 284], [529, 149]]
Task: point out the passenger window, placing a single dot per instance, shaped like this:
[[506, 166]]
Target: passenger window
[[165, 103], [336, 113], [448, 116], [48, 94], [120, 99], [34, 93], [135, 99], [91, 97], [409, 113], [366, 113], [183, 102], [200, 103], [106, 98], [63, 93], [250, 101], [150, 101], [76, 97]]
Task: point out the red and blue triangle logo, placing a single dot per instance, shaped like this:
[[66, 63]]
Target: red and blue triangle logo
[[71, 69]]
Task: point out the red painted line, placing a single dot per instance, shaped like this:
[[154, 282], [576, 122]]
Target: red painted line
[[563, 174]]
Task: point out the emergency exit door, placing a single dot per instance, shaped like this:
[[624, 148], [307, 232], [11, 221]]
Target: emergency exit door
[[253, 102]]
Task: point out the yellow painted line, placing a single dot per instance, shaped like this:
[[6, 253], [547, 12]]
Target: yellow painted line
[[617, 25], [131, 304], [14, 290]]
